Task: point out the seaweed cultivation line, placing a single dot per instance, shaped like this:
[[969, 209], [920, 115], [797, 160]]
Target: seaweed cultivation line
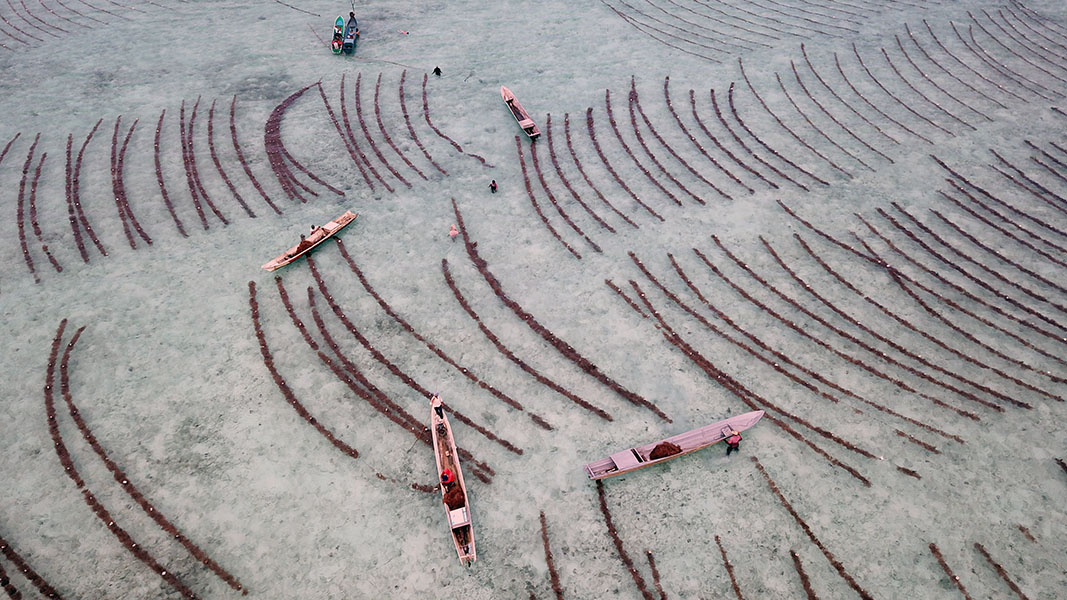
[[1008, 49], [934, 83], [537, 207], [724, 149], [244, 163], [392, 367], [807, 119], [131, 490], [841, 100], [26, 571], [553, 575], [366, 130], [639, 581], [349, 138], [948, 72], [118, 185], [550, 195], [383, 403], [628, 300], [779, 355], [688, 134], [196, 186], [21, 213], [1026, 533], [634, 102], [641, 27], [465, 371], [840, 568], [275, 148], [72, 213], [411, 129], [907, 324], [218, 164], [752, 134], [905, 105], [543, 380], [967, 66], [34, 224], [948, 571], [578, 164], [626, 148], [729, 569], [68, 466], [385, 134], [561, 346], [562, 177], [159, 179], [75, 180], [919, 93], [846, 356], [999, 67], [1000, 571], [748, 397], [778, 120], [283, 386], [607, 165], [426, 115], [655, 574], [737, 389], [804, 580]]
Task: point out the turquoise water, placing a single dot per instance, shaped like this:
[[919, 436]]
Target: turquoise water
[[169, 377]]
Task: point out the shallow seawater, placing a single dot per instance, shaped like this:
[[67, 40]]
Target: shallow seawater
[[914, 398]]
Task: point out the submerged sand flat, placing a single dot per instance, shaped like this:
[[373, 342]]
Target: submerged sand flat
[[849, 213]]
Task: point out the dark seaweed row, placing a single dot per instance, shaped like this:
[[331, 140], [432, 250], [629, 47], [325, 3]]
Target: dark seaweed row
[[349, 137], [68, 466], [272, 144], [1026, 532], [72, 213], [737, 138], [20, 212], [34, 224], [639, 581], [735, 387], [385, 134], [804, 580], [131, 490], [815, 127], [283, 386], [948, 571], [874, 371], [511, 355], [75, 186], [537, 207], [604, 160], [553, 574], [896, 346], [411, 129], [908, 472], [840, 568], [551, 196], [192, 173], [560, 345], [118, 186], [218, 163], [426, 116], [244, 163], [632, 102], [563, 178], [747, 398], [27, 571], [159, 178], [366, 130], [630, 153], [785, 359], [1000, 571], [358, 382], [628, 300], [724, 149], [729, 569], [465, 371], [392, 367], [578, 164], [655, 574]]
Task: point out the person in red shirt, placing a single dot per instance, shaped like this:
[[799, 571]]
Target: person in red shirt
[[733, 442], [447, 477]]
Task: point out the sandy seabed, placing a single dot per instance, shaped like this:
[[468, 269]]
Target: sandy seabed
[[851, 214]]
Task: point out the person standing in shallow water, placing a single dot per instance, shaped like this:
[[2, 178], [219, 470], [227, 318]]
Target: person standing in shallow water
[[437, 71], [733, 442], [453, 232], [492, 186]]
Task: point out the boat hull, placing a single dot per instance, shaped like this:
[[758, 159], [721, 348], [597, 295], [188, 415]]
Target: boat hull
[[320, 235], [636, 458], [459, 519], [521, 116]]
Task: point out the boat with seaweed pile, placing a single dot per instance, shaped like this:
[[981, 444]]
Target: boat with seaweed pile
[[647, 455], [317, 236], [453, 489]]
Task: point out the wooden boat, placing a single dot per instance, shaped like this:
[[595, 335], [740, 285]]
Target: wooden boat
[[633, 459], [520, 113], [444, 449], [316, 237]]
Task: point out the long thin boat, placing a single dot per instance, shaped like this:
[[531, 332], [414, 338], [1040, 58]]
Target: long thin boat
[[639, 457], [520, 114], [444, 450], [316, 237]]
